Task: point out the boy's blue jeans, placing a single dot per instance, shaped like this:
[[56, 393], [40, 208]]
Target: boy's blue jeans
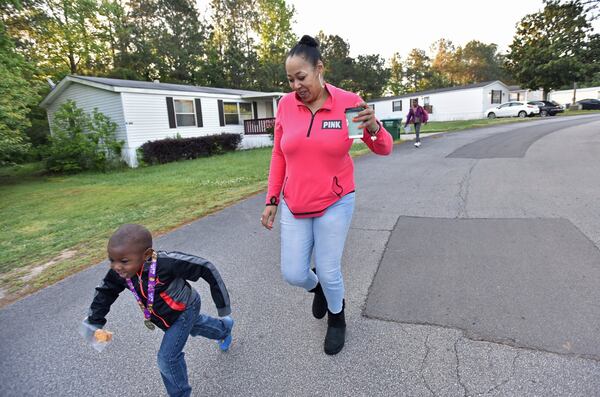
[[171, 358], [326, 236]]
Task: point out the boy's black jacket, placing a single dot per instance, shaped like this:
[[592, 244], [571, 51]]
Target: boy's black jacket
[[172, 293]]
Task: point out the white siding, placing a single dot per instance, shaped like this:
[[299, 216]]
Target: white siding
[[254, 141], [564, 97], [143, 116], [536, 95], [210, 112], [262, 109], [259, 140], [147, 120], [89, 98], [526, 95], [383, 109], [486, 93], [463, 104], [517, 95], [457, 105]]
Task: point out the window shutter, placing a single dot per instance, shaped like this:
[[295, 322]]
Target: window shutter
[[221, 113], [199, 122], [255, 109], [171, 112]]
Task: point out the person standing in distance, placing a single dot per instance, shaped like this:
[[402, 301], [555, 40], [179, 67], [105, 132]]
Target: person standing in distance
[[416, 115], [312, 170]]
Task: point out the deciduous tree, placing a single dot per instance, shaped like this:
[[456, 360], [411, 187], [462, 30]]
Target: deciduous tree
[[396, 81], [418, 69], [336, 56], [369, 76], [547, 49], [18, 95], [274, 30]]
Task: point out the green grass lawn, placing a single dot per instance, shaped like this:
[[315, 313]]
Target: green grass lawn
[[42, 217], [69, 218], [578, 112]]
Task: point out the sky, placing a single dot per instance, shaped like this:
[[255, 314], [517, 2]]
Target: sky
[[385, 27]]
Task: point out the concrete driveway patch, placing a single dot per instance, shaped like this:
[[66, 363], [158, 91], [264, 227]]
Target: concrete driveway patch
[[524, 282]]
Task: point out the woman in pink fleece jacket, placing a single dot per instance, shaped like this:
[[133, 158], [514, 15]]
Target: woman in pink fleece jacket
[[312, 169]]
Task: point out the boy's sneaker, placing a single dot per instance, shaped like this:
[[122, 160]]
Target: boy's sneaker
[[225, 343], [417, 144]]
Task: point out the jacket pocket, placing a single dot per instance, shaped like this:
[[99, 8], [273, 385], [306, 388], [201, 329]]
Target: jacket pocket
[[283, 187], [336, 188]]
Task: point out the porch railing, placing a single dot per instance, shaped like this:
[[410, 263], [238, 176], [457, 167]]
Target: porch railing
[[259, 126]]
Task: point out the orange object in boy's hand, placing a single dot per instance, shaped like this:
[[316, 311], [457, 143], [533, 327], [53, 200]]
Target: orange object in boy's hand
[[102, 335]]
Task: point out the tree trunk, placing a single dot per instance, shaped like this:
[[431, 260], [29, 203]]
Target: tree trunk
[[72, 63]]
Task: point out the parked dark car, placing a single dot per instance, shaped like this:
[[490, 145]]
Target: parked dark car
[[589, 104], [547, 108]]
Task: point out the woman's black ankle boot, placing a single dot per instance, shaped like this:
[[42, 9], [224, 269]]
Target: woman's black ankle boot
[[336, 331], [319, 305]]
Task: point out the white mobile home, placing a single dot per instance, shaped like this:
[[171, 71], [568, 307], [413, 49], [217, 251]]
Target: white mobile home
[[523, 94], [147, 111], [562, 97], [453, 103], [565, 97]]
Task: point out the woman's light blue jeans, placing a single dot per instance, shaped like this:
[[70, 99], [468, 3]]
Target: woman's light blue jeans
[[325, 236]]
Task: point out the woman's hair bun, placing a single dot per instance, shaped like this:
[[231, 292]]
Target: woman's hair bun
[[309, 41], [307, 48]]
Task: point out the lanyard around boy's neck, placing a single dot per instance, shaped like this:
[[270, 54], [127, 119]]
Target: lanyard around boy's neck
[[151, 284]]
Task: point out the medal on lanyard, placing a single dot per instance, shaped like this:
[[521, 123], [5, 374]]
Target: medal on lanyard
[[151, 284]]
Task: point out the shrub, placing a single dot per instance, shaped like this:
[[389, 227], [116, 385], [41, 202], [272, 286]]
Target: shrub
[[13, 145], [271, 131], [82, 142], [174, 149]]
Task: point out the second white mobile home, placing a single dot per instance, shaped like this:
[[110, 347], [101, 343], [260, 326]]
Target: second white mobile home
[[453, 103]]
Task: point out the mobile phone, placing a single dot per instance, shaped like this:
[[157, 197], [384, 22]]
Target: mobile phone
[[353, 131]]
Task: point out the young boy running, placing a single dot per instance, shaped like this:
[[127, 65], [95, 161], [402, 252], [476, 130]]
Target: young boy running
[[158, 281]]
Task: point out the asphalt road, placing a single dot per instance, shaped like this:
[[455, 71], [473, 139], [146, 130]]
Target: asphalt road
[[441, 216]]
